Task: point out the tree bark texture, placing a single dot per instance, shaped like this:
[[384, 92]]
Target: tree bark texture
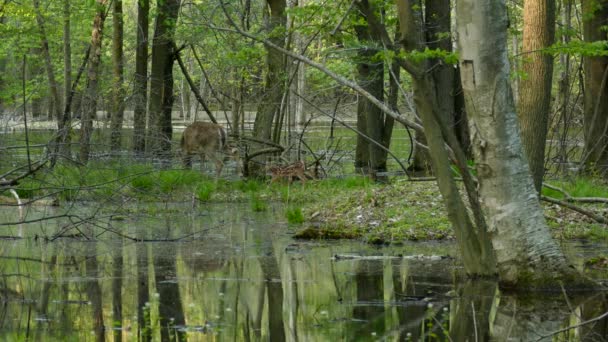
[[89, 108], [535, 87], [477, 255], [371, 78], [527, 255], [53, 85], [161, 79], [595, 14], [140, 87], [274, 85], [118, 92]]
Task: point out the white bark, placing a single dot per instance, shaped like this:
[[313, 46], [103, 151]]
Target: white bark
[[520, 236]]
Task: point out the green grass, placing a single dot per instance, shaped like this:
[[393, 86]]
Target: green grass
[[204, 190], [294, 215], [256, 203], [579, 187]]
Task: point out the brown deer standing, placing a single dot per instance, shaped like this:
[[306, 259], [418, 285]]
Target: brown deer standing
[[206, 140]]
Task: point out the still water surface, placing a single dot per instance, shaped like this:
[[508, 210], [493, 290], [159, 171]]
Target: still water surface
[[224, 273]]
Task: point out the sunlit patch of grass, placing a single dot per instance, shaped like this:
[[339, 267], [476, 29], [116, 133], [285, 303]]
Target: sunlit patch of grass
[[172, 180], [144, 183], [294, 215], [248, 185], [257, 204], [579, 187], [204, 190]]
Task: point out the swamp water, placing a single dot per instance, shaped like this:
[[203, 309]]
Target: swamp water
[[226, 273]]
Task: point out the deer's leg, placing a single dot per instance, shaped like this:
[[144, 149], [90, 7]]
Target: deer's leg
[[302, 177], [202, 162], [219, 164]]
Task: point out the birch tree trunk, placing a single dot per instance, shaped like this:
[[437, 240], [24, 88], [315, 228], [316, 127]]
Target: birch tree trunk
[[535, 87], [475, 248], [89, 108], [527, 256]]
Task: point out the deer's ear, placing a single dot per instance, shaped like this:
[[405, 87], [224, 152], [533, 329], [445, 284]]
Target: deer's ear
[[234, 150]]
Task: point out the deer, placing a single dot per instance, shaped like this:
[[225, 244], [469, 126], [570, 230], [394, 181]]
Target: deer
[[291, 171], [206, 140]]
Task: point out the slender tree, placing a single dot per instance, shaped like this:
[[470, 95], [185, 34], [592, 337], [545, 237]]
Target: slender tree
[[535, 87], [118, 93], [161, 78], [48, 63], [140, 88], [90, 96]]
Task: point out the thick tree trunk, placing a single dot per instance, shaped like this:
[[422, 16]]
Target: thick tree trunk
[[476, 250], [89, 111], [274, 85], [161, 79], [140, 87], [596, 89], [118, 93], [527, 256], [535, 87], [371, 78]]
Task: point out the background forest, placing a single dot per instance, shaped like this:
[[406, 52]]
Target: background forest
[[148, 66]]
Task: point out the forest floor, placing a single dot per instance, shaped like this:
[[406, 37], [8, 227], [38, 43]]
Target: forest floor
[[406, 210]]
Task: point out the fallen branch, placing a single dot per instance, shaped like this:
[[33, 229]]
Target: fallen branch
[[593, 320], [193, 86], [588, 213], [569, 198]]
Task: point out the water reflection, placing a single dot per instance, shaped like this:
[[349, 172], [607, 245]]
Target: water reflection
[[227, 274]]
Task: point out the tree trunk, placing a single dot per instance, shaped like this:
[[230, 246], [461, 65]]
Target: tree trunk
[[274, 81], [63, 123], [118, 93], [53, 85], [370, 158], [161, 79], [476, 250], [274, 84], [89, 110], [596, 89], [527, 256], [535, 87], [140, 87]]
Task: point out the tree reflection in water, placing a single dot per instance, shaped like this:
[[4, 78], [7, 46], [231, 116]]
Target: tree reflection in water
[[243, 278]]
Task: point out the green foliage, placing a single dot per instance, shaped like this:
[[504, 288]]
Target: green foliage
[[172, 180], [294, 215], [204, 190], [256, 203], [578, 47], [143, 183], [579, 187], [248, 185], [419, 56]]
